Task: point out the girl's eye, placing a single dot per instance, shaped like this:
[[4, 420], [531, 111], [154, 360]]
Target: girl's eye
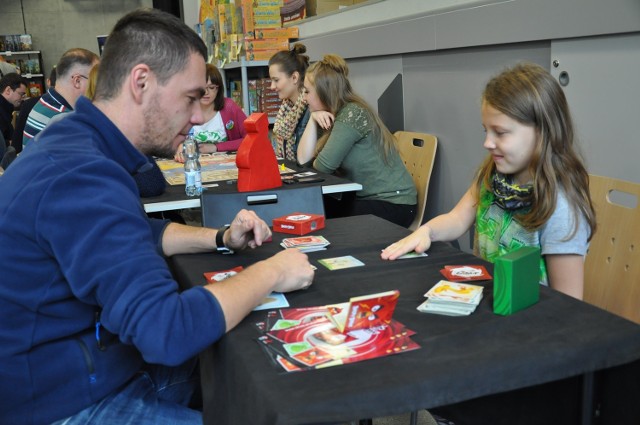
[[192, 99]]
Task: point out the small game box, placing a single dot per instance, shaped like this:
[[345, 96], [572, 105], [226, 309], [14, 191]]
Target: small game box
[[298, 223]]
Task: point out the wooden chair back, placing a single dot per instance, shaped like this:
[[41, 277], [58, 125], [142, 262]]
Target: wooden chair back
[[612, 265], [418, 152]]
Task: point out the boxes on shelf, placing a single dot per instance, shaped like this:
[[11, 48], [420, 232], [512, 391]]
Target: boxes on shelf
[[35, 89], [289, 32], [298, 223], [292, 10], [276, 44], [325, 6], [266, 17], [260, 55], [15, 43]]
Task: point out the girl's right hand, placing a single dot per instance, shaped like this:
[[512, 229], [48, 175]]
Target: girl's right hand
[[323, 118], [419, 241]]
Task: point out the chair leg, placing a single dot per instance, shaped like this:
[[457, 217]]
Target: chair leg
[[413, 419]]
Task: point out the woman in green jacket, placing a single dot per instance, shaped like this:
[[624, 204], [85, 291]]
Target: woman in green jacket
[[346, 137]]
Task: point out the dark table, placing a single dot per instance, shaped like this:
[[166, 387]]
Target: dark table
[[174, 197], [461, 358]]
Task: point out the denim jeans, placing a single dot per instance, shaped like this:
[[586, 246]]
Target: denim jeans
[[157, 395]]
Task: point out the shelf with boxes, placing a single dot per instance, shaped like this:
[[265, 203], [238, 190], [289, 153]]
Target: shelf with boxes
[[17, 50], [248, 84]]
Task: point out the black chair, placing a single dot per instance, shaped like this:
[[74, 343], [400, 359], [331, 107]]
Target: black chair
[[219, 208]]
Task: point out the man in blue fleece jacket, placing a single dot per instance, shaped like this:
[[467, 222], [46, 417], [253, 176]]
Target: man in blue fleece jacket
[[92, 326]]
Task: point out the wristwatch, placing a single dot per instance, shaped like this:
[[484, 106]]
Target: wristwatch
[[220, 240]]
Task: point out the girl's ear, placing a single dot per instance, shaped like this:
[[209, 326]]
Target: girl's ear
[[295, 77]]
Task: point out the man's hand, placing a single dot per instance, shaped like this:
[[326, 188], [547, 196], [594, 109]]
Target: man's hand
[[247, 229], [295, 270]]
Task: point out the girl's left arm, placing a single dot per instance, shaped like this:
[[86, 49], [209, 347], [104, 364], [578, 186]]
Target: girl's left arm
[[566, 273]]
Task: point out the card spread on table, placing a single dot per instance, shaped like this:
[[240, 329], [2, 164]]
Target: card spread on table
[[273, 300], [312, 341], [338, 263]]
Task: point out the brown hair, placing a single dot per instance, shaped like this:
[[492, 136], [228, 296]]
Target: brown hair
[[93, 80], [213, 75], [291, 61], [150, 36], [330, 78], [528, 94]]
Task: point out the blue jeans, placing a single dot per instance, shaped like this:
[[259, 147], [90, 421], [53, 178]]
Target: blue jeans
[[156, 395]]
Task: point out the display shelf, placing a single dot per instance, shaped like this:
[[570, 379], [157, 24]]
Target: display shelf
[[243, 65]]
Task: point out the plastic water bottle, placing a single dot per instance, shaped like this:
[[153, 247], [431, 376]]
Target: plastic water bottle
[[193, 178]]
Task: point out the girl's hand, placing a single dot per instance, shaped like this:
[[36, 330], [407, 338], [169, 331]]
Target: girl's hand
[[323, 118], [419, 241]]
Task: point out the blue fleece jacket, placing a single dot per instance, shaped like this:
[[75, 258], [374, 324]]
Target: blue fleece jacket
[[76, 244]]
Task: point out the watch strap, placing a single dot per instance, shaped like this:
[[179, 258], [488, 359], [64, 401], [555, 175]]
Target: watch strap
[[220, 247]]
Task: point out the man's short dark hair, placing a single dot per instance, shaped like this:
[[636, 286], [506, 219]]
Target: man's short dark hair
[[13, 81], [75, 56], [148, 36], [53, 76]]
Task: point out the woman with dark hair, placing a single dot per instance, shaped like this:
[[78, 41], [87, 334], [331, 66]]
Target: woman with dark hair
[[287, 70], [223, 129]]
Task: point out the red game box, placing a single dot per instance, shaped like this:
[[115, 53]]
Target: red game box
[[298, 223]]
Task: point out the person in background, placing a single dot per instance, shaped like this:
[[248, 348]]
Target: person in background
[[223, 129], [150, 181], [90, 93], [345, 136], [287, 70], [93, 328], [25, 110], [532, 189], [13, 90], [7, 68], [71, 83]]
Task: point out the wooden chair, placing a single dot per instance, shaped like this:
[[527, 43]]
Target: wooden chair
[[418, 152], [612, 265]]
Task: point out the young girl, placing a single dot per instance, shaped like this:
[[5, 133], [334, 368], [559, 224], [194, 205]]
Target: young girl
[[532, 189], [287, 70], [345, 136], [223, 129]]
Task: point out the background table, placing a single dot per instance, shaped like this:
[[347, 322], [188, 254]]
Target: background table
[[174, 197], [461, 358]]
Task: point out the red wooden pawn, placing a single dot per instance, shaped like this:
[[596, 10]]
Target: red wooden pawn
[[256, 160]]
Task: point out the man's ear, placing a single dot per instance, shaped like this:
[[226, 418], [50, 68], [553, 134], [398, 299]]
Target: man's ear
[[140, 81]]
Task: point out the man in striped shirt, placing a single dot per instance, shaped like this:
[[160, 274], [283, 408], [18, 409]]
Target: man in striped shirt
[[72, 82]]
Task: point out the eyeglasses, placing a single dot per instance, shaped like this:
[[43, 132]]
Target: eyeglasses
[[211, 88], [81, 76]]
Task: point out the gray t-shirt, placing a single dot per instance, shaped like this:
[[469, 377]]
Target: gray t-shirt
[[553, 235]]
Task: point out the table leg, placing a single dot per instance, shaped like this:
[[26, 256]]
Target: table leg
[[588, 395]]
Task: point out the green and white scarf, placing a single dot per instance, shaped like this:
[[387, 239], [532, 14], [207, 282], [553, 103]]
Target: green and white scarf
[[497, 232]]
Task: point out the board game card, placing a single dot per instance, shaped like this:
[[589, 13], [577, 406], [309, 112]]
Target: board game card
[[338, 263]]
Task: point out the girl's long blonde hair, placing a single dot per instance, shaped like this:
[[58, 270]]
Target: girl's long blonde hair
[[528, 94], [330, 77]]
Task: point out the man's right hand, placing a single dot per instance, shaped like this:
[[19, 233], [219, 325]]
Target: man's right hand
[[295, 270]]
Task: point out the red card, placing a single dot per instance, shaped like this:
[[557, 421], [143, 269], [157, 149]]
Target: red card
[[465, 273]]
